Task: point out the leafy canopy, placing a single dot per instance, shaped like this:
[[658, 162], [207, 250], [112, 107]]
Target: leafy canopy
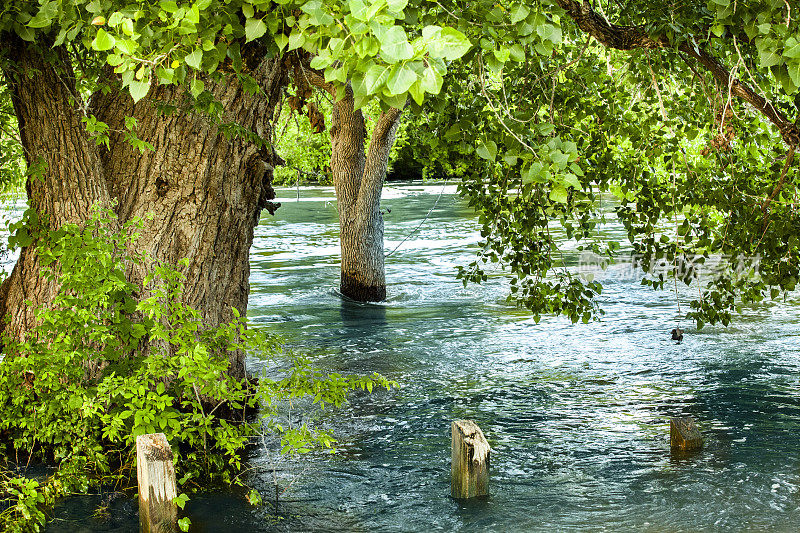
[[678, 119], [376, 45]]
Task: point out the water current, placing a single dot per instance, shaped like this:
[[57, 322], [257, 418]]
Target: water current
[[577, 415]]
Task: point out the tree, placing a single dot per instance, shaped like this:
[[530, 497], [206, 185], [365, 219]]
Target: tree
[[194, 149], [199, 164], [633, 99], [380, 64], [358, 180]]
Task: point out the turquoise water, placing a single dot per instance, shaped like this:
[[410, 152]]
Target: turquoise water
[[577, 415]]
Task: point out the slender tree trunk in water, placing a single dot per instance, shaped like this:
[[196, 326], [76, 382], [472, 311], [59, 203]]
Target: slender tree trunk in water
[[205, 191], [358, 180]]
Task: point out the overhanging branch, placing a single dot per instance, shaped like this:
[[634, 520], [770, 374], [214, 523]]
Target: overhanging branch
[[635, 37]]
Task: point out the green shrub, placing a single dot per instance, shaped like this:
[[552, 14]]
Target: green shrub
[[111, 360]]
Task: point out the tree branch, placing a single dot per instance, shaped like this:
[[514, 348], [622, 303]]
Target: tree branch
[[635, 37], [380, 145]]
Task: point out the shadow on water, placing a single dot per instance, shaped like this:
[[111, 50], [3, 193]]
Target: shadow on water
[[360, 318]]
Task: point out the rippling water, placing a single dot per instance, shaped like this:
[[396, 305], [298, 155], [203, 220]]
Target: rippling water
[[577, 415]]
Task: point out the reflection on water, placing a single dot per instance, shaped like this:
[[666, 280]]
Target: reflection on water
[[577, 415]]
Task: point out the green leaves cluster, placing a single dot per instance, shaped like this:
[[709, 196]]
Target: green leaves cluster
[[551, 148], [771, 28], [370, 43]]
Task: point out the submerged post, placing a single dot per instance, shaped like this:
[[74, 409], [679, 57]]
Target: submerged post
[[469, 474], [157, 490], [684, 435]]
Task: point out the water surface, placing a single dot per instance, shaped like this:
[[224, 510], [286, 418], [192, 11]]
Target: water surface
[[577, 415]]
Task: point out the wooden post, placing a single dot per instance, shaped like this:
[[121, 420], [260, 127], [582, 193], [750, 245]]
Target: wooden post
[[157, 489], [469, 474], [684, 435]]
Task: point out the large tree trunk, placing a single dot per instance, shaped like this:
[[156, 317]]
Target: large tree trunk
[[66, 173], [205, 191]]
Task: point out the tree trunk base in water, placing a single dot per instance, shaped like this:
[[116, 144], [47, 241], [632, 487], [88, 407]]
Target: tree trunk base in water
[[360, 291]]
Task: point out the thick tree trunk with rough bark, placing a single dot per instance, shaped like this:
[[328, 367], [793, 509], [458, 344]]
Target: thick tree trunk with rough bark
[[204, 191], [66, 173]]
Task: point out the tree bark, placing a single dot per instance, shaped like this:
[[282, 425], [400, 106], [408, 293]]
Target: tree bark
[[358, 181], [199, 192], [205, 191], [66, 174]]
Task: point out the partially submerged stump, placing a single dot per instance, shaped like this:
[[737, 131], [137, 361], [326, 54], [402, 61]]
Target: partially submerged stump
[[684, 435], [470, 461], [156, 475]]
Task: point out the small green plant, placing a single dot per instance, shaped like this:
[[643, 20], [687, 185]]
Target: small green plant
[[110, 360]]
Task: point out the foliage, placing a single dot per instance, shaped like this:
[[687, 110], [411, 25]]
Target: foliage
[[172, 42], [12, 164], [112, 359], [305, 150], [562, 117], [675, 117]]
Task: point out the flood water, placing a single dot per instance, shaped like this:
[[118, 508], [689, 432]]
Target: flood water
[[577, 415]]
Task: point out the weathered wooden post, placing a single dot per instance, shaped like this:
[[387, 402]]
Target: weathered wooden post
[[469, 474], [684, 435], [157, 490]]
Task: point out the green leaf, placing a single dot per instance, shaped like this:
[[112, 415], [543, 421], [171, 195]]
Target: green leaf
[[417, 93], [197, 87], [397, 6], [375, 77], [194, 59], [296, 40], [395, 46], [792, 48], [520, 12], [254, 28], [139, 89], [559, 194], [572, 180], [550, 33], [768, 56], [25, 33], [517, 53], [319, 17], [103, 41], [358, 9], [170, 6], [487, 150], [450, 44], [794, 72], [398, 101], [401, 78], [281, 40], [45, 16], [431, 81], [502, 54], [322, 60]]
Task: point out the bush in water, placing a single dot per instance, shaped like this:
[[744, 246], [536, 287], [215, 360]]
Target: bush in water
[[112, 359]]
